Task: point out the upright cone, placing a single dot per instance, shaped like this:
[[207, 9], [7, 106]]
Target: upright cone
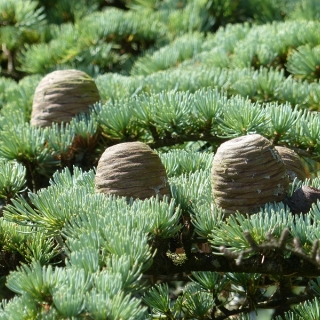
[[61, 95], [131, 169], [248, 172], [293, 163]]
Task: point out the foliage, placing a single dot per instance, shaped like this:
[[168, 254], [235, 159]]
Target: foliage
[[21, 23], [182, 76], [304, 62], [182, 48]]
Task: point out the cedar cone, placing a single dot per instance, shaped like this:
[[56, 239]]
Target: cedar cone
[[293, 163], [131, 169], [61, 95], [302, 199], [247, 172]]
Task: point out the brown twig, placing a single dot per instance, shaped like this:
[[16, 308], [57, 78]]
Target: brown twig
[[266, 258]]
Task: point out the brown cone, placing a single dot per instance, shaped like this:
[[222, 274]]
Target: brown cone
[[302, 199], [293, 163], [247, 172], [61, 95], [131, 169]]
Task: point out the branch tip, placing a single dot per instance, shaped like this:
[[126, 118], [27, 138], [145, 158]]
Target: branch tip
[[269, 236], [239, 259], [250, 240], [314, 251], [297, 244], [283, 238]]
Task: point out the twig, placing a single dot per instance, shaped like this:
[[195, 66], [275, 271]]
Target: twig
[[251, 241], [315, 250], [273, 244]]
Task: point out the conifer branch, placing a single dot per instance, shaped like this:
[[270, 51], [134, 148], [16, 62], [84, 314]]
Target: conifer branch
[[269, 304], [267, 258], [171, 140], [254, 264]]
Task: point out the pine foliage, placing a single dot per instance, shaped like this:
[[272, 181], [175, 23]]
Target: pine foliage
[[183, 77]]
